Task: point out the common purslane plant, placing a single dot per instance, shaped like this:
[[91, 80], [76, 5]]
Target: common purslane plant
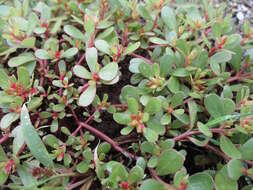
[[125, 94]]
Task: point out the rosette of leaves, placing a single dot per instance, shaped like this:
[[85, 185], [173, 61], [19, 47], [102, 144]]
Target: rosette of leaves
[[149, 77], [16, 91], [51, 51], [108, 75], [190, 103], [136, 117]]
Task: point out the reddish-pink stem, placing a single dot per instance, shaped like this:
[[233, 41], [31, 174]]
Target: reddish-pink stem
[[81, 59], [141, 57], [101, 135], [4, 138], [189, 133]]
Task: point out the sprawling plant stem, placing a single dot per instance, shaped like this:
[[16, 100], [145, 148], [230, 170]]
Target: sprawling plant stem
[[4, 138]]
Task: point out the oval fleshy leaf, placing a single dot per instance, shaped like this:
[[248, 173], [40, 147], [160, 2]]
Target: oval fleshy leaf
[[109, 71], [69, 53], [87, 96], [82, 72], [229, 148], [131, 48], [103, 46], [91, 56], [73, 32], [21, 59], [8, 119], [170, 161], [42, 54], [200, 181]]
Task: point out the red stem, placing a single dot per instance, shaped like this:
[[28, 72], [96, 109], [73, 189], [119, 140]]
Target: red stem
[[189, 133], [81, 59], [218, 152], [4, 138], [156, 177], [103, 136], [99, 134], [141, 57]]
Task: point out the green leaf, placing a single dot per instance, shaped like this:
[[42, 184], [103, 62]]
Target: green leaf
[[204, 129], [82, 167], [126, 130], [23, 77], [103, 46], [173, 84], [159, 41], [217, 29], [246, 150], [117, 171], [26, 176], [67, 160], [73, 32], [165, 119], [200, 143], [177, 99], [122, 118], [229, 148], [87, 96], [21, 59], [136, 174], [134, 65], [33, 140], [82, 72], [193, 112], [170, 161], [178, 178], [5, 10], [237, 57], [221, 57], [34, 103], [153, 106], [4, 79], [3, 176], [133, 106], [154, 124], [89, 26], [169, 18], [224, 182], [69, 53], [214, 105], [141, 162], [180, 72], [131, 48], [109, 71], [19, 139], [229, 106], [151, 184], [42, 54], [91, 58], [28, 42], [146, 70], [150, 135], [152, 162], [8, 119], [235, 168], [51, 140], [3, 157], [200, 181], [215, 68]]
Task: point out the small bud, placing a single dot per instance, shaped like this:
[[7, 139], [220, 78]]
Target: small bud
[[9, 165], [124, 185], [95, 77], [57, 54]]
